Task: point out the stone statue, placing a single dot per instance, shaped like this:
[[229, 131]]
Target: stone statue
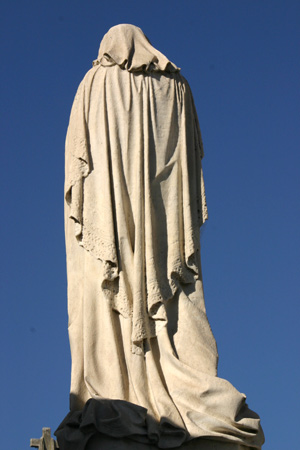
[[144, 359]]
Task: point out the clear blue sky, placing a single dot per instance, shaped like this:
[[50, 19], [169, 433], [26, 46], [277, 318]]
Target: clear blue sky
[[241, 58]]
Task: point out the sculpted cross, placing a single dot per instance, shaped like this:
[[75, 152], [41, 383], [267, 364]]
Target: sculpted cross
[[45, 442]]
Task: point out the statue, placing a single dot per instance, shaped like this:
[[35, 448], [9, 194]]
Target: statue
[[144, 359]]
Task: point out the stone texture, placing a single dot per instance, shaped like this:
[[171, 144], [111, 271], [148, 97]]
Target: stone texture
[[135, 202], [105, 442], [45, 442]]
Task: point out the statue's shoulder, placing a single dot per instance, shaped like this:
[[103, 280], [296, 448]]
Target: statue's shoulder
[[184, 82], [89, 76]]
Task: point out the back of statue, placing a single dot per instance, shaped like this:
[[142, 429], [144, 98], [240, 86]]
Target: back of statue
[[143, 354]]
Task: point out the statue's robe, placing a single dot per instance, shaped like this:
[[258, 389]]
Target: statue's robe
[[141, 345]]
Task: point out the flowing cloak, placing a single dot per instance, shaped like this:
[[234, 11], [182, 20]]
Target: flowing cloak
[[135, 201]]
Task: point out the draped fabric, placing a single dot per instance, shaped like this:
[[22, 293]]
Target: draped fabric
[[135, 201], [133, 169], [128, 47]]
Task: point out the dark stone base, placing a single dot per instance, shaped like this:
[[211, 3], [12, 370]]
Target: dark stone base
[[120, 425], [102, 442]]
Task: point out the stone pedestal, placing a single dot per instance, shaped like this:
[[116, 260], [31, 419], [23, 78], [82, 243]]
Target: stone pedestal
[[102, 442]]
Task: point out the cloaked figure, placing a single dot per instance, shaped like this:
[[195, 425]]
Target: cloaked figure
[[144, 359]]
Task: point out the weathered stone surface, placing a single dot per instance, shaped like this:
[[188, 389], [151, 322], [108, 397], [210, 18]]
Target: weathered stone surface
[[135, 201], [45, 442], [105, 442]]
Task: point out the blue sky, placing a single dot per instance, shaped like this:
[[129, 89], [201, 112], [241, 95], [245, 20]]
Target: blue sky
[[241, 58]]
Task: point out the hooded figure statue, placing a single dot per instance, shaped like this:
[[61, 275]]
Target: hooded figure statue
[[144, 359]]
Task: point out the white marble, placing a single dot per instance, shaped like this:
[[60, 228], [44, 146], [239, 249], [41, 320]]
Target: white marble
[[135, 202]]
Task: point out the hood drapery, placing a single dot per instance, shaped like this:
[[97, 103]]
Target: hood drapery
[[128, 47]]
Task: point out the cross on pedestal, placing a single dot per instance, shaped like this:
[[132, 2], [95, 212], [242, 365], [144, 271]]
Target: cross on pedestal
[[45, 442]]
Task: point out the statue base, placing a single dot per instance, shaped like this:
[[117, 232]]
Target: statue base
[[120, 425], [102, 442]]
